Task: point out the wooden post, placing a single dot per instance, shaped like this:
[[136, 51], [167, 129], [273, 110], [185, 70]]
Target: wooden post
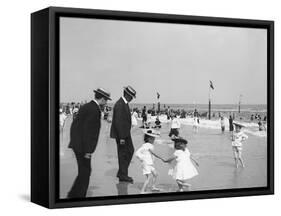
[[239, 104], [209, 102]]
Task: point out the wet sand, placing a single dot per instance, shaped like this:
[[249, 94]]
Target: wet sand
[[210, 148]]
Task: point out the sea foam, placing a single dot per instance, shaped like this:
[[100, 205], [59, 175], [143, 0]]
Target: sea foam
[[251, 127]]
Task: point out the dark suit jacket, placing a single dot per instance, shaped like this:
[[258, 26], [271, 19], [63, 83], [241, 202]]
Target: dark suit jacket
[[85, 129], [121, 121]]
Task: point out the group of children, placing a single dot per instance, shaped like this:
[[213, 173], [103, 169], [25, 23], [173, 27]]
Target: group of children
[[184, 168]]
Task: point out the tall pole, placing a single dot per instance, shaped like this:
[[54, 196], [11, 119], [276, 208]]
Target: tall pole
[[209, 102], [239, 104], [158, 103]]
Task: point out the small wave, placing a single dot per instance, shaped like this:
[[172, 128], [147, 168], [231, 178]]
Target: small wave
[[257, 133], [251, 127]]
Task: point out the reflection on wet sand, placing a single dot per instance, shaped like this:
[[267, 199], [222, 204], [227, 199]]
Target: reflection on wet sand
[[122, 188]]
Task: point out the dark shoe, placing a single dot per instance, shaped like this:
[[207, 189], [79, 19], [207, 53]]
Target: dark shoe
[[119, 176], [131, 178], [126, 179]]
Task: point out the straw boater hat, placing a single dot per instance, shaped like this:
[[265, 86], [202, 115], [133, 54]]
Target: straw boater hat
[[132, 92], [238, 124], [152, 133], [179, 140], [103, 93]]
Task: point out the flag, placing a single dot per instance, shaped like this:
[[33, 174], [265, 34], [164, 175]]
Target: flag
[[158, 95], [211, 85]]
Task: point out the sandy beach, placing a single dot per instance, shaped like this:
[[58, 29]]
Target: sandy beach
[[210, 147]]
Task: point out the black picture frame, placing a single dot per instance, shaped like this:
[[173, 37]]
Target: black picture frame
[[45, 102]]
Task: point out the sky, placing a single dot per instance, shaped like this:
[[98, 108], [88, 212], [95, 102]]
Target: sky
[[176, 60]]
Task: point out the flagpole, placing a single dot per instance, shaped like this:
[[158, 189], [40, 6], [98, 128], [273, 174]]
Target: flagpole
[[209, 102], [239, 104], [158, 103]]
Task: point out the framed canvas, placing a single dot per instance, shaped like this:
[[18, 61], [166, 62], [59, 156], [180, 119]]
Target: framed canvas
[[139, 107]]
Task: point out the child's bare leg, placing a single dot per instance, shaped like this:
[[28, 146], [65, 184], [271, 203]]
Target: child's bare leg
[[185, 183], [240, 158], [235, 156], [144, 187], [236, 162], [154, 178], [179, 185], [242, 163]]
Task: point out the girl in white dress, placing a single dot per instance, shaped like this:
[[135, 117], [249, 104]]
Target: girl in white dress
[[184, 168], [146, 155], [175, 126], [63, 117], [238, 137], [195, 124]]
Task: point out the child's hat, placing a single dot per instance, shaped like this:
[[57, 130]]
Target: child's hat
[[180, 140], [238, 124], [152, 133]]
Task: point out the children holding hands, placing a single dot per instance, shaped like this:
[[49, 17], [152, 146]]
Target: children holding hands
[[183, 170]]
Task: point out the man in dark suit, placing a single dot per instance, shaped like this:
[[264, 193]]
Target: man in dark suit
[[84, 134], [121, 131]]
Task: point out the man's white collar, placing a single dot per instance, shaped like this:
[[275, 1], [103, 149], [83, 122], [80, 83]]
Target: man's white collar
[[96, 102], [124, 99]]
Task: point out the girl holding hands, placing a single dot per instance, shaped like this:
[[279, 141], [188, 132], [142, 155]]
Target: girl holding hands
[[146, 155], [184, 168]]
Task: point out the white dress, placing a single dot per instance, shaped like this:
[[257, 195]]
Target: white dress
[[176, 123], [146, 158], [134, 119], [184, 168], [62, 119], [195, 122], [238, 139]]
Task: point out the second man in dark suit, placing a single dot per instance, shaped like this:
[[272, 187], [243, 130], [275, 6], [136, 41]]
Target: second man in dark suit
[[121, 132]]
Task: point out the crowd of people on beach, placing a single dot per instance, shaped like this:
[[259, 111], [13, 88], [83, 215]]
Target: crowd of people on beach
[[146, 115], [85, 130]]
